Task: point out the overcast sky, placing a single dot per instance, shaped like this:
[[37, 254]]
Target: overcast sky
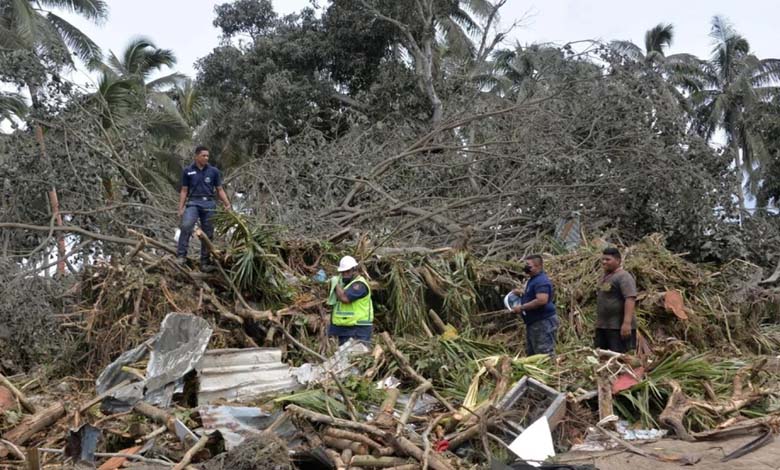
[[185, 26]]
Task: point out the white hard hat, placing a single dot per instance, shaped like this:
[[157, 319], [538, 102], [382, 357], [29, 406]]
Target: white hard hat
[[347, 263]]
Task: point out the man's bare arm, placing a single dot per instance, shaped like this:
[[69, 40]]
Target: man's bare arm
[[223, 197], [540, 301], [628, 317], [182, 199], [342, 295]]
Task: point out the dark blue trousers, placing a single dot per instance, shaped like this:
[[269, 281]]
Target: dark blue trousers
[[196, 210], [540, 336]]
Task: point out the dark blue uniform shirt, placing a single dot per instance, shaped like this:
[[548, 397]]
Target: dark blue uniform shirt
[[201, 183], [539, 284]]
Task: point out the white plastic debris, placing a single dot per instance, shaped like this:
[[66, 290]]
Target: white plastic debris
[[535, 444]]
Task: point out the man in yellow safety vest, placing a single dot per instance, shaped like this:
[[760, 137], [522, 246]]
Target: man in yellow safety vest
[[350, 296]]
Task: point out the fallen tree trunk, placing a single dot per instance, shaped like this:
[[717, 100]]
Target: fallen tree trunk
[[38, 422], [400, 443], [377, 462]]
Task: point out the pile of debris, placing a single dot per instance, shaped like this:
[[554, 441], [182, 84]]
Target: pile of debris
[[245, 377]]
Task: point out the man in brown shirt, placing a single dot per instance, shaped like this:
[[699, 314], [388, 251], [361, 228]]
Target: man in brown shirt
[[615, 304]]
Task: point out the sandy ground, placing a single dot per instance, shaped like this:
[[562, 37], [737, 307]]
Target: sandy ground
[[766, 458]]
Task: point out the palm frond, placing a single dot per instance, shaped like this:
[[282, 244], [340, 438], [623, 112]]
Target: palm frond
[[627, 49], [464, 20], [253, 257], [12, 104], [766, 72], [23, 20], [164, 82], [94, 10], [166, 124], [480, 8], [659, 38], [721, 31], [76, 40], [457, 41]]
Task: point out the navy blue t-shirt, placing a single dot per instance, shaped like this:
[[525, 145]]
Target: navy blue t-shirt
[[539, 284], [201, 183]]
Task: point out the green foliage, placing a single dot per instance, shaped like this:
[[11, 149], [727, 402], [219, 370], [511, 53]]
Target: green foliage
[[316, 400], [255, 264], [647, 399]]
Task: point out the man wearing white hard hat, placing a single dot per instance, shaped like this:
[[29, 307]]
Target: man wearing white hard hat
[[353, 311]]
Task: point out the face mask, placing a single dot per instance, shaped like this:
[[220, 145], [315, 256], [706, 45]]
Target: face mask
[[346, 279], [527, 269]]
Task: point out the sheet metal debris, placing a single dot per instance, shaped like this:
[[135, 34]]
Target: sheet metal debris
[[81, 443], [235, 423], [173, 352], [243, 374], [339, 363]]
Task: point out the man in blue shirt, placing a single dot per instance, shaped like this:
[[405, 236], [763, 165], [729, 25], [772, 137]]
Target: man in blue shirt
[[537, 309], [200, 184]]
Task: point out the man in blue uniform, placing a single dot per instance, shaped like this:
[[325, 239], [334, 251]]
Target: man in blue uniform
[[200, 184], [538, 309]]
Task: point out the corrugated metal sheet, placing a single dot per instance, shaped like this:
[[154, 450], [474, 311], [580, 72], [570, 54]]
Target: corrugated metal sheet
[[243, 374]]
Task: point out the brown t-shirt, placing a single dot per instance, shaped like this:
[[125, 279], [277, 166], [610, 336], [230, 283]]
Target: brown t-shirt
[[614, 289]]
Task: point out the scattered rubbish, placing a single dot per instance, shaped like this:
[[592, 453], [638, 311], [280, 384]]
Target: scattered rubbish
[[321, 276], [235, 423], [626, 380], [114, 463], [339, 364], [683, 459], [438, 388], [535, 444], [594, 441], [546, 402], [81, 444], [238, 375], [424, 404], [626, 432], [185, 435], [388, 382], [173, 352]]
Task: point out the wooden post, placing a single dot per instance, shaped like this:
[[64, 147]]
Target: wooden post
[[33, 459], [605, 397]]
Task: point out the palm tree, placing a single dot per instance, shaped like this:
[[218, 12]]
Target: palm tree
[[125, 87], [140, 59], [32, 26], [736, 82], [657, 40], [191, 104], [683, 72]]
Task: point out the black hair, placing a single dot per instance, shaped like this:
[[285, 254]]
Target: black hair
[[200, 148], [537, 258], [612, 251]]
